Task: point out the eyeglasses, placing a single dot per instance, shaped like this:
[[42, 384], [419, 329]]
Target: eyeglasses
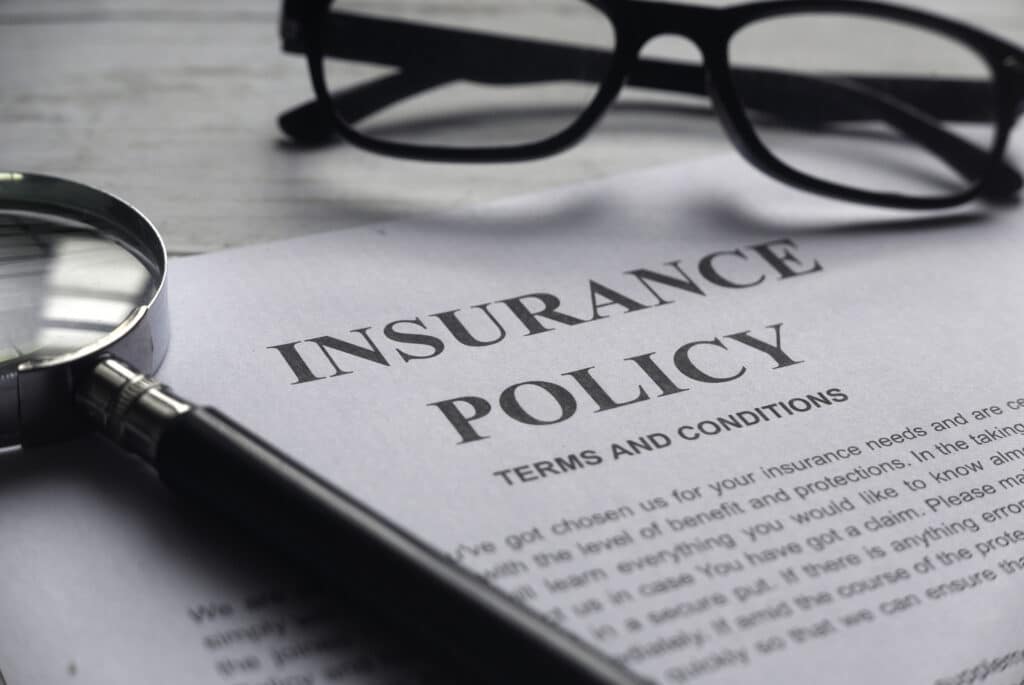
[[861, 101]]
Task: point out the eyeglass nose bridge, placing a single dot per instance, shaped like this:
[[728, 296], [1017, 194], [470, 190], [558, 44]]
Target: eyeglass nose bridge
[[705, 27], [709, 29]]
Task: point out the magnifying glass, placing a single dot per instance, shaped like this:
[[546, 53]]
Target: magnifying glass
[[83, 325]]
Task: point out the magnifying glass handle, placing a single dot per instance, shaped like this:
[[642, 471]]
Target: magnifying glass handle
[[206, 456]]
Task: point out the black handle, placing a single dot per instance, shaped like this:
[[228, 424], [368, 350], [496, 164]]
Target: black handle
[[204, 455]]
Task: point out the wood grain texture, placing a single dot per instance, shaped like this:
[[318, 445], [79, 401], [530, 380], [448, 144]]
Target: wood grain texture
[[172, 105]]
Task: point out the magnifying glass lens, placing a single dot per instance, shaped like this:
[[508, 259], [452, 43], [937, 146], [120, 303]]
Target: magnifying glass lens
[[65, 286]]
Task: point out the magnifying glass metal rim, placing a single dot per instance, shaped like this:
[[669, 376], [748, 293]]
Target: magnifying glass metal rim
[[37, 397]]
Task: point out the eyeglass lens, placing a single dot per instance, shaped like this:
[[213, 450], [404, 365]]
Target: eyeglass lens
[[469, 77], [882, 106]]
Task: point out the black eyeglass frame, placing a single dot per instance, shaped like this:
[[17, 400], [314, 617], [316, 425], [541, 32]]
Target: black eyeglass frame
[[635, 22]]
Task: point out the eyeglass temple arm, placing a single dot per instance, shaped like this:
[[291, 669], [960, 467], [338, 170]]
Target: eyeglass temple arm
[[309, 123], [490, 59], [1017, 67], [430, 56]]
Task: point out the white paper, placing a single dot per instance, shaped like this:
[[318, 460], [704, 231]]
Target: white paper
[[896, 321]]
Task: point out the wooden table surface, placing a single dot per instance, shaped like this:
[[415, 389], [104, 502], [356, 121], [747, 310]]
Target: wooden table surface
[[172, 104]]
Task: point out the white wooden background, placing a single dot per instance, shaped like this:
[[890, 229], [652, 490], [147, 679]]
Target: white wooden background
[[172, 105]]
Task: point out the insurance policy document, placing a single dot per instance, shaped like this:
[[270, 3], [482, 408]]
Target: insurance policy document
[[724, 438]]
